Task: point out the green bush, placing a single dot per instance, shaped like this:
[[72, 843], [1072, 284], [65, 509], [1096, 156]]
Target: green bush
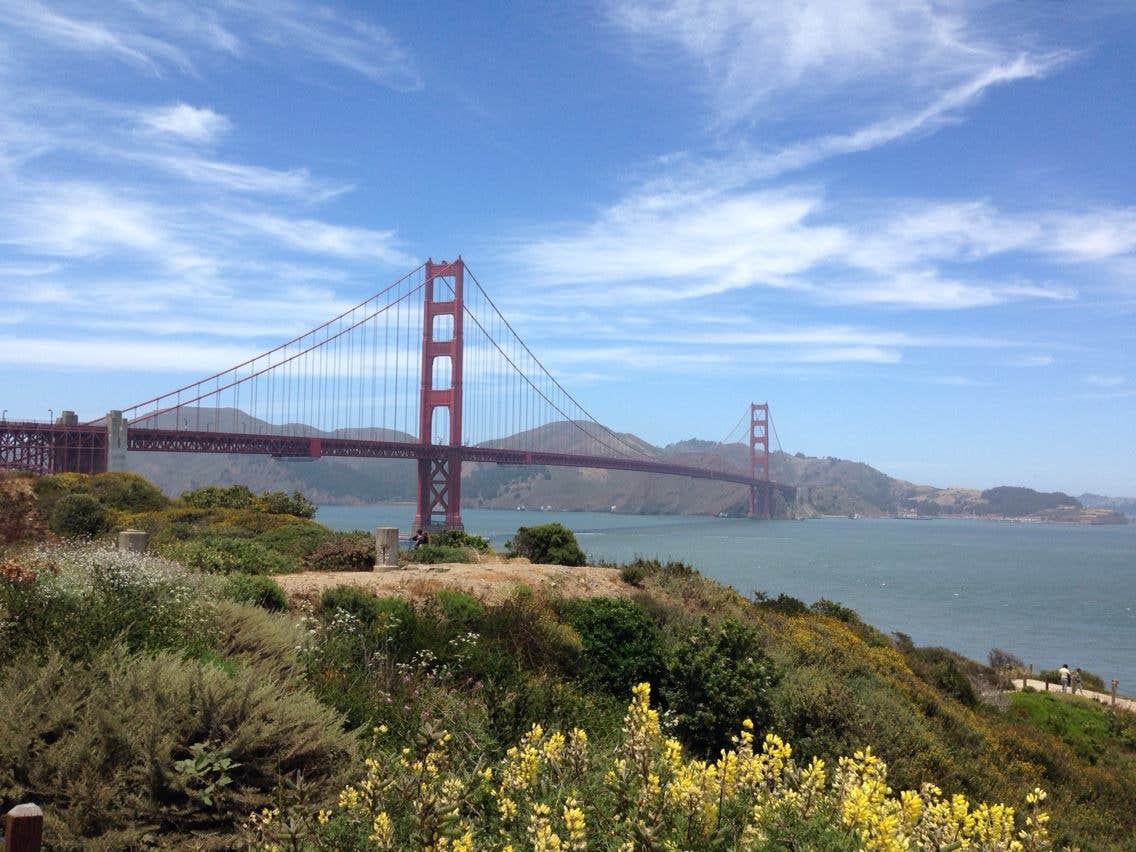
[[459, 607], [838, 611], [547, 544], [343, 552], [79, 516], [622, 645], [227, 555], [943, 669], [529, 631], [633, 575], [84, 598], [279, 503], [717, 675], [783, 603], [372, 611], [460, 538], [128, 492], [295, 537], [432, 554], [218, 497], [256, 590], [102, 746]]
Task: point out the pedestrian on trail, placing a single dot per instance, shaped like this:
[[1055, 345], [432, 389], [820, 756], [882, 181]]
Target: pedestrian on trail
[[1077, 681], [1064, 672]]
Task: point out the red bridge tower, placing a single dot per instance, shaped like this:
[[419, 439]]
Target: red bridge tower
[[759, 459], [439, 474]]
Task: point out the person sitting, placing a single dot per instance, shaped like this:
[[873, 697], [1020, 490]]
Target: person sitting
[[420, 538]]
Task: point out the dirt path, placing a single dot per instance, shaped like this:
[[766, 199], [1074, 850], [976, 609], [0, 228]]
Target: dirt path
[[1053, 689], [489, 581]]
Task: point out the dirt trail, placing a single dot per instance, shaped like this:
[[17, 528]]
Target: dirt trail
[[489, 581]]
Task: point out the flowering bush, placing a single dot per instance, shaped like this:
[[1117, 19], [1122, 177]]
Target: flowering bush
[[78, 599], [555, 791]]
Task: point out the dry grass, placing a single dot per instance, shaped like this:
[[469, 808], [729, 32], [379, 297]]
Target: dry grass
[[490, 581]]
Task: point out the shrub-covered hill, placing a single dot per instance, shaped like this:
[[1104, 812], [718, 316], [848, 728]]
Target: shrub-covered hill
[[144, 702]]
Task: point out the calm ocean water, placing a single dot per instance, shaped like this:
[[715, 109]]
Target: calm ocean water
[[1049, 593]]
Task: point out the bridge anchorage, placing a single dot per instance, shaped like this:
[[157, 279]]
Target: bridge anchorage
[[427, 369]]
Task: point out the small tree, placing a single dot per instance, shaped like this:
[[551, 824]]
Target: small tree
[[549, 544]]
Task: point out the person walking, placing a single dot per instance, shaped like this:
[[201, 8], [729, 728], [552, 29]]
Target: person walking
[[1064, 672], [1077, 684]]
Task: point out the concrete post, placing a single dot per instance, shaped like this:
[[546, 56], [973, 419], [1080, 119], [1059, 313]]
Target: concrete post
[[116, 441], [23, 829], [134, 541], [386, 548]]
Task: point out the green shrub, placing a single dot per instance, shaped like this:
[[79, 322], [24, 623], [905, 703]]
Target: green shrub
[[219, 497], [547, 544], [227, 555], [717, 675], [529, 631], [128, 492], [459, 607], [343, 552], [295, 537], [84, 598], [460, 538], [838, 611], [101, 746], [783, 603], [622, 645], [256, 590], [372, 611], [79, 516], [431, 554], [943, 669], [279, 503], [633, 574]]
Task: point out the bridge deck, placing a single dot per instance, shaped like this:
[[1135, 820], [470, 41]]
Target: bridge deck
[[31, 446]]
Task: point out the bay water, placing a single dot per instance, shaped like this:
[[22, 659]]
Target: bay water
[[1050, 593]]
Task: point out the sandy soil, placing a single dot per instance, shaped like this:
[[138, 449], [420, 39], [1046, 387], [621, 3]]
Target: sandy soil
[[489, 581]]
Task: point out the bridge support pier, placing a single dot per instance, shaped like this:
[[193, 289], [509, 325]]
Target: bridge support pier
[[439, 474], [116, 441]]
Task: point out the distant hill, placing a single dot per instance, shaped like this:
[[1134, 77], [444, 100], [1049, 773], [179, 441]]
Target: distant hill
[[826, 485], [1124, 505]]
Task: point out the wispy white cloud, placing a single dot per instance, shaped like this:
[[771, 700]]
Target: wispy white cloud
[[182, 121], [80, 33], [241, 177], [1032, 361], [1105, 381], [157, 36], [312, 236], [661, 247], [760, 60]]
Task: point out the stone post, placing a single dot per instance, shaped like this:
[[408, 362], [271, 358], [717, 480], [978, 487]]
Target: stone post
[[134, 541], [386, 548], [23, 829], [116, 441]]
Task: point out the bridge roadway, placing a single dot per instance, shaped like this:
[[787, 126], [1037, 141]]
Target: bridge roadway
[[142, 439], [48, 447]]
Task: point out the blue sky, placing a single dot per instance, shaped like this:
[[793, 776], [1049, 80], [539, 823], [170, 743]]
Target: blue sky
[[910, 226]]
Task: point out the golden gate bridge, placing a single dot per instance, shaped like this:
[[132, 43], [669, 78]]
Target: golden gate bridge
[[426, 369]]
